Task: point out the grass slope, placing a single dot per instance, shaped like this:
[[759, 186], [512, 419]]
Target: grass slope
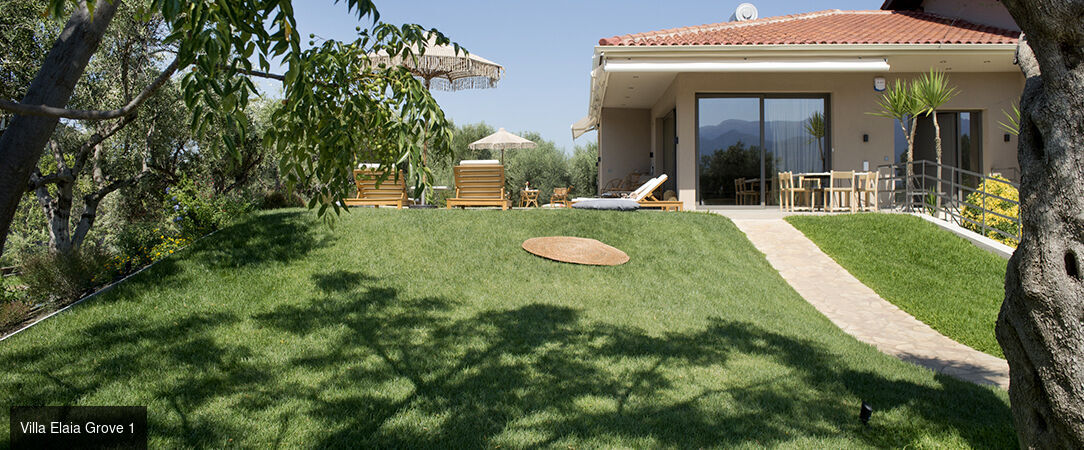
[[434, 328], [940, 278]]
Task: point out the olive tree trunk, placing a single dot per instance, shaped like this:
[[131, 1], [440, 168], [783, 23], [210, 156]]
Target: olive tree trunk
[[1041, 324], [21, 145]]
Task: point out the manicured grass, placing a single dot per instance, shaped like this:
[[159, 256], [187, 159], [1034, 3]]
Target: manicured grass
[[435, 329], [943, 280]]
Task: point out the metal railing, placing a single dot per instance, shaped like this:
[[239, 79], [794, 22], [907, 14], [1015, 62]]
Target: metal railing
[[959, 191]]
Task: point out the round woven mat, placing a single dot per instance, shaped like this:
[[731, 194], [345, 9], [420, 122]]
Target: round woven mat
[[576, 251]]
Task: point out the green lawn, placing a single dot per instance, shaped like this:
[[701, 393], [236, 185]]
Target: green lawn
[[435, 329], [938, 277]]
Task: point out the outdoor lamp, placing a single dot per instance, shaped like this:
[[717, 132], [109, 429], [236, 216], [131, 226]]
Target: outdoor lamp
[[865, 413], [879, 84]]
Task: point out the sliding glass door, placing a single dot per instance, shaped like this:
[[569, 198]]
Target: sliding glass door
[[743, 141], [728, 149]]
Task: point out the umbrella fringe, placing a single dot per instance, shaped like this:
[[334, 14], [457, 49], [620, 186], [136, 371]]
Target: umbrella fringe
[[454, 69]]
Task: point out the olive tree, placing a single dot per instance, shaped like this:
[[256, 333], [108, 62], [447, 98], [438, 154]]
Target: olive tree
[[1041, 323], [336, 104]]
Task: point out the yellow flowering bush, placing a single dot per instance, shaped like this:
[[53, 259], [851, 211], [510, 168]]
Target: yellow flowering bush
[[159, 246], [1000, 187], [168, 246]]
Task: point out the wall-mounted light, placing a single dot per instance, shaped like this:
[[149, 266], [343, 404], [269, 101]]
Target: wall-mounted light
[[1008, 137], [879, 84], [865, 138]]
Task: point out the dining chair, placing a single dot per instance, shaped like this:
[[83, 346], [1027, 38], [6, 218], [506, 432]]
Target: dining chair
[[786, 191], [839, 193], [739, 190], [867, 190], [808, 188]]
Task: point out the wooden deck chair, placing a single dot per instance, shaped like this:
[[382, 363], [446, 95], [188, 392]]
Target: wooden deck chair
[[479, 183], [624, 186], [560, 197], [646, 196], [392, 191]]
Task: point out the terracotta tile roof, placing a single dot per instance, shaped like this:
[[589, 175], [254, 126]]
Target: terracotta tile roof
[[828, 27]]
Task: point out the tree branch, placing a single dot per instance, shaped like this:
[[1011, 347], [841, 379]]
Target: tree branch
[[97, 138], [257, 73], [62, 113]]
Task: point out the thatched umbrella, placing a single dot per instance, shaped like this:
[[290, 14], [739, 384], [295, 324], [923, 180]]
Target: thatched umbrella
[[501, 140], [442, 68]]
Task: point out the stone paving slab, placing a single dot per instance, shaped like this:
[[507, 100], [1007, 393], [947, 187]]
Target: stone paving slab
[[858, 310]]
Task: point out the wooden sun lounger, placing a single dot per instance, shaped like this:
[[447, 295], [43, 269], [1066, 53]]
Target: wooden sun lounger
[[645, 196], [390, 192], [479, 185], [648, 199]]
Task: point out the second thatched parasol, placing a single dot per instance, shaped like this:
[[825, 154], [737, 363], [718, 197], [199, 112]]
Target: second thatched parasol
[[501, 140]]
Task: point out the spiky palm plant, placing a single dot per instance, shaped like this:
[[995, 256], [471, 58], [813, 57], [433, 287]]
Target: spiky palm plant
[[932, 91], [899, 103], [1011, 124], [815, 126]]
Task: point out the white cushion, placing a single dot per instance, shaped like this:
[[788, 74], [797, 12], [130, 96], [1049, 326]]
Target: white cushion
[[648, 187], [478, 162], [368, 166], [612, 204]]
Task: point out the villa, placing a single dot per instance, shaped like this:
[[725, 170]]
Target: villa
[[710, 104]]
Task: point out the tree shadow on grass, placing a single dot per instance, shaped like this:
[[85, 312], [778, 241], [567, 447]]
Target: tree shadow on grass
[[389, 370], [540, 375], [279, 237]]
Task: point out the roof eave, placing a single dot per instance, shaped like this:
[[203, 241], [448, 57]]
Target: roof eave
[[839, 48]]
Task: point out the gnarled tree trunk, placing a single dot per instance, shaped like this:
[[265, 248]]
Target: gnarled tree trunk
[[22, 143], [1041, 324]]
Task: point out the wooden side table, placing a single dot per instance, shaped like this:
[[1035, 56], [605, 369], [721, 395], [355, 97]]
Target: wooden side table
[[527, 197]]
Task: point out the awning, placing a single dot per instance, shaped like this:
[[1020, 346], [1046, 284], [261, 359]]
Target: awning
[[599, 79], [587, 123], [748, 65]]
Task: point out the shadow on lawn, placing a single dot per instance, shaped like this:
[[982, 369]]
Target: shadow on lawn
[[537, 375], [526, 369], [278, 237]]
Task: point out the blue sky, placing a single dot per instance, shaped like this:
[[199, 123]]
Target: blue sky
[[545, 47]]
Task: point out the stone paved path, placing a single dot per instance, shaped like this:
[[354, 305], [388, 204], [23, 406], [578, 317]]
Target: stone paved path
[[861, 312]]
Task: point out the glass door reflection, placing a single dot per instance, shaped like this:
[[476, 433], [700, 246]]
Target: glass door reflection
[[729, 150]]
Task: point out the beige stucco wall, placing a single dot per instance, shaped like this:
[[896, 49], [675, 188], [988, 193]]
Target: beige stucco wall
[[852, 97], [624, 142]]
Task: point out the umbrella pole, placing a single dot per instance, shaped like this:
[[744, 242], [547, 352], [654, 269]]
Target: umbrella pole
[[425, 163]]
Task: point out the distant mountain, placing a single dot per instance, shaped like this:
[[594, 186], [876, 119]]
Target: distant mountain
[[728, 132]]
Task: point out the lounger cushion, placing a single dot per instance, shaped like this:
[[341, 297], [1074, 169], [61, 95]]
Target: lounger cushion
[[612, 204], [478, 162]]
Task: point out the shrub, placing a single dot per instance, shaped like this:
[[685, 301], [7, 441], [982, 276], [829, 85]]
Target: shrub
[[1000, 187], [13, 312], [198, 211], [57, 278], [133, 243], [281, 198], [167, 246]]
